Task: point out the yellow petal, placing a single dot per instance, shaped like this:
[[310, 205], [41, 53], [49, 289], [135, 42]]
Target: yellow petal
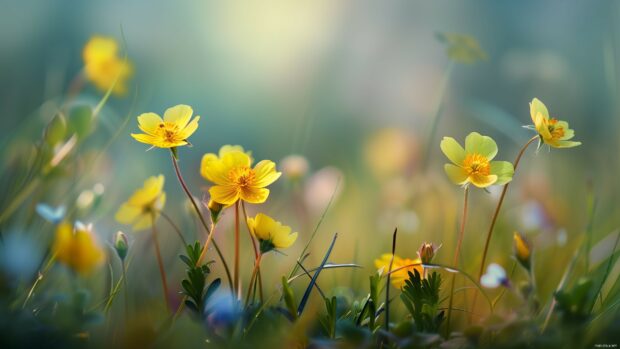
[[537, 107], [503, 170], [144, 138], [456, 174], [150, 123], [482, 181], [178, 115], [254, 195], [452, 149], [475, 143], [281, 241], [127, 214], [266, 174], [143, 222], [212, 169], [189, 129], [565, 144], [235, 159], [542, 126], [224, 194]]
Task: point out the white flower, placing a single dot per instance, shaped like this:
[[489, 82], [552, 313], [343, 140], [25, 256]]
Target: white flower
[[494, 277]]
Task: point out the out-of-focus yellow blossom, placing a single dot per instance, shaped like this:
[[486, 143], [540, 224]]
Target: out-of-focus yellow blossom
[[235, 179], [552, 131], [462, 48], [473, 164], [399, 276], [77, 248], [172, 131], [270, 233], [102, 65], [523, 250], [144, 205]]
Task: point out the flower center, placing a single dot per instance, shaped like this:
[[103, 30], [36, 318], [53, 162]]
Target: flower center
[[168, 131], [556, 130], [243, 177], [476, 164]]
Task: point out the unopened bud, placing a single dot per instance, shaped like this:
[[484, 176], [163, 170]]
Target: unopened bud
[[522, 250], [427, 252], [56, 130], [215, 208], [120, 244]]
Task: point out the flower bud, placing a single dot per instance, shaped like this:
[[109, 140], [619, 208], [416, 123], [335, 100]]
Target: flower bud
[[522, 250], [120, 244], [215, 208], [427, 252]]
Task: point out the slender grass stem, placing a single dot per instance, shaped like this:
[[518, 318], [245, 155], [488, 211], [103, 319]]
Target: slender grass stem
[[236, 266], [437, 111], [125, 292], [256, 252], [202, 220], [160, 263], [496, 214], [387, 287], [253, 278], [457, 253], [174, 227], [47, 266]]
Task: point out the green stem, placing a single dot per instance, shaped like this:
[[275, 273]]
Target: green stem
[[236, 266], [496, 214], [256, 252], [20, 198], [160, 264], [455, 261], [437, 111]]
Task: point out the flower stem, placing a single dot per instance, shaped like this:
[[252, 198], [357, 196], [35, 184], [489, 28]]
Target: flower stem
[[174, 227], [47, 266], [496, 214], [202, 220], [236, 266], [256, 252], [455, 261], [160, 263], [253, 278], [124, 266]]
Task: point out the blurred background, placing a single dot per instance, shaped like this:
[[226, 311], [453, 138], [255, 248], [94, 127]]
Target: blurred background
[[352, 87]]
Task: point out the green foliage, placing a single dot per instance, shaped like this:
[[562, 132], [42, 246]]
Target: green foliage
[[575, 304], [289, 298], [421, 297], [194, 286], [329, 320]]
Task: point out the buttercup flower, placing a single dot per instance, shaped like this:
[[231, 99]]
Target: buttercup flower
[[102, 65], [399, 276], [462, 48], [144, 205], [77, 247], [522, 249], [172, 131], [270, 233], [235, 179], [473, 164], [225, 149], [552, 131]]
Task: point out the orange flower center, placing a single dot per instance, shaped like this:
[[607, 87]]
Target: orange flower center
[[243, 177], [476, 164], [168, 131], [556, 130]]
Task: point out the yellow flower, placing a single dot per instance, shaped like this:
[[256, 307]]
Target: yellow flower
[[172, 131], [399, 276], [270, 233], [523, 250], [462, 48], [552, 131], [144, 205], [473, 164], [77, 248], [102, 65], [235, 179]]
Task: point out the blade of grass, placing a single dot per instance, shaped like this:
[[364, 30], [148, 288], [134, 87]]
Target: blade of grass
[[387, 288], [306, 296], [316, 228]]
